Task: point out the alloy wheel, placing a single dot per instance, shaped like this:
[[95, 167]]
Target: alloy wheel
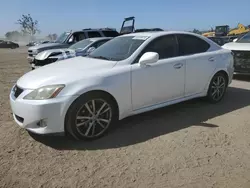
[[218, 88], [93, 118]]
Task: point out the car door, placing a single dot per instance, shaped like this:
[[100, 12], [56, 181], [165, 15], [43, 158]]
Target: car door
[[3, 44], [200, 63], [9, 44], [159, 82]]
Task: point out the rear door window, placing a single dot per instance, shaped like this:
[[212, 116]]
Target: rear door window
[[93, 34], [110, 33], [189, 44]]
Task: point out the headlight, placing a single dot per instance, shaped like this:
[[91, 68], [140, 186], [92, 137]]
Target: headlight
[[46, 92], [35, 52]]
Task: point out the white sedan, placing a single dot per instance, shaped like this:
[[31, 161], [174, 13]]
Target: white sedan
[[128, 75], [241, 51]]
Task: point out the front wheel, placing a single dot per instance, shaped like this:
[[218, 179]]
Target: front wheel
[[217, 88], [91, 116]]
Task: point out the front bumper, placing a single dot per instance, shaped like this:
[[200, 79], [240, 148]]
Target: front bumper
[[242, 62], [30, 59], [34, 66], [29, 113]]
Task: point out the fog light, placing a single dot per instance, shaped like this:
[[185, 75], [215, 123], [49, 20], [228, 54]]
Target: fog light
[[42, 123]]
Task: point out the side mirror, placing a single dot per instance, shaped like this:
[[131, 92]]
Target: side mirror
[[235, 40], [91, 49], [149, 58]]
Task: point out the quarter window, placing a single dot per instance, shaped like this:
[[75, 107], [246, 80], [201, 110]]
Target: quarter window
[[189, 44], [93, 34]]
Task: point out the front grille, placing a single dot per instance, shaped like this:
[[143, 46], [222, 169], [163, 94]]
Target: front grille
[[17, 91], [31, 55], [44, 62], [242, 61], [29, 51]]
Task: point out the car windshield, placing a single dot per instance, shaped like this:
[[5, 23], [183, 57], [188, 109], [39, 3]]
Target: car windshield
[[62, 37], [245, 38], [81, 44], [119, 48]]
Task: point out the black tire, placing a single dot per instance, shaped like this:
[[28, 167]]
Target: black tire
[[213, 95], [78, 106]]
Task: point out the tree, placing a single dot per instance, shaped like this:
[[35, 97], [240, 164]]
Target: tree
[[196, 31], [28, 24], [13, 35], [52, 37]]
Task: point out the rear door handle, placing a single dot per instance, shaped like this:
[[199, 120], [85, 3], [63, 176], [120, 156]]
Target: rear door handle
[[178, 65], [211, 59]]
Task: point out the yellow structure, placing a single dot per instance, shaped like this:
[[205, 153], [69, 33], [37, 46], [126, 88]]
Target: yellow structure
[[239, 30]]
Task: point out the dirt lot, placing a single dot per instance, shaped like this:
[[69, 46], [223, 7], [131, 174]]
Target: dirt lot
[[193, 145]]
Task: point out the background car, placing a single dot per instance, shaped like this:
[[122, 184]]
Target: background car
[[241, 51], [81, 48], [128, 75], [8, 44], [66, 39]]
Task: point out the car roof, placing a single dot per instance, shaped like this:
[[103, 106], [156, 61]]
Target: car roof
[[159, 33]]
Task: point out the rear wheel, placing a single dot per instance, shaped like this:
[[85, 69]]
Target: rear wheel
[[217, 88], [91, 116]]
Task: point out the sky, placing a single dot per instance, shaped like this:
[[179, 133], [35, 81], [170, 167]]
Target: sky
[[57, 16]]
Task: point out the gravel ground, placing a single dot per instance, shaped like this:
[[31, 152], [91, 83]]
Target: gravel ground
[[192, 145]]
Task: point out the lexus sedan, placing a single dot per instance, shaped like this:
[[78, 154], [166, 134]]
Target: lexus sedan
[[127, 75]]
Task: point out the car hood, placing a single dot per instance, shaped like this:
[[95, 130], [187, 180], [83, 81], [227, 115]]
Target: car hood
[[237, 46], [53, 52], [47, 46], [65, 72]]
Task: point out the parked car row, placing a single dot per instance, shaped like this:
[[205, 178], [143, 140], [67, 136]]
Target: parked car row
[[81, 48], [67, 39], [129, 74]]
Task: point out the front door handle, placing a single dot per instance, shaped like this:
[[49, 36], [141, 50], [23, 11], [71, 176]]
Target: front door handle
[[211, 59], [178, 65]]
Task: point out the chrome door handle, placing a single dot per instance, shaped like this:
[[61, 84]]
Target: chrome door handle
[[178, 65], [211, 59]]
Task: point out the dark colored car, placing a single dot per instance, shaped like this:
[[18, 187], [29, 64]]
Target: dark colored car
[[8, 44]]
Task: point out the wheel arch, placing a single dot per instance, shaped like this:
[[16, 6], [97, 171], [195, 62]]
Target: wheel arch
[[216, 72], [225, 74], [92, 92]]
